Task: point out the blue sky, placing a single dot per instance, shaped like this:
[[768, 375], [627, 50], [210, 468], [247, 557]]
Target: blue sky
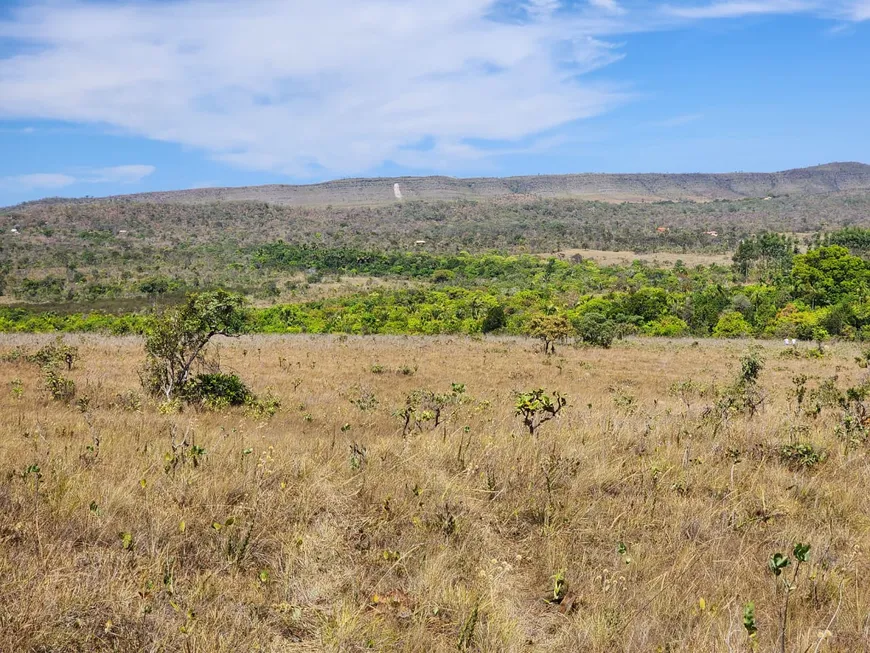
[[100, 98]]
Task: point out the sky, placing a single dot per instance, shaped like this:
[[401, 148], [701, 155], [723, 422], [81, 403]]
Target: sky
[[115, 96]]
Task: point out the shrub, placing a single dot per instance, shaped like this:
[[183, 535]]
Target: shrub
[[667, 326], [59, 387], [536, 408], [595, 329], [177, 340], [550, 329], [265, 406], [216, 391], [442, 276], [495, 319], [801, 455], [55, 353], [732, 325]]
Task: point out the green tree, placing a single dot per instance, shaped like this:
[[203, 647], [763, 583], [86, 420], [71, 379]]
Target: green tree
[[494, 320], [593, 328], [177, 340], [550, 329], [826, 275], [732, 325]]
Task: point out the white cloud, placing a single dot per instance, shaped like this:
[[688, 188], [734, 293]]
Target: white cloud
[[117, 174], [735, 9], [333, 87], [37, 181], [852, 10], [296, 87], [608, 5], [859, 10], [46, 180]]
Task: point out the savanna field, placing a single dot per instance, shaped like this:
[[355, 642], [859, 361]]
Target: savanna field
[[385, 494]]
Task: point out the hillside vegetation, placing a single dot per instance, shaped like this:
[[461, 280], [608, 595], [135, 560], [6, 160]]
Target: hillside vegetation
[[827, 178]]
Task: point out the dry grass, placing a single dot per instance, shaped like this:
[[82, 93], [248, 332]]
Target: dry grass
[[445, 538], [664, 259]]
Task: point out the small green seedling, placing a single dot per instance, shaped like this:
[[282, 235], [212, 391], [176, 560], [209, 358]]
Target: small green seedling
[[749, 623], [777, 563], [560, 587], [126, 540]]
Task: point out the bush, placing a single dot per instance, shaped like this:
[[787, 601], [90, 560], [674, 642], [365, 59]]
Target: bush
[[801, 455], [495, 319], [732, 325], [442, 276], [216, 391], [59, 387], [594, 329], [667, 326], [56, 353], [260, 407], [177, 340], [792, 322]]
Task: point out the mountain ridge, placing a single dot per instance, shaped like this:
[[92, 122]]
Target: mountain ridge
[[608, 187]]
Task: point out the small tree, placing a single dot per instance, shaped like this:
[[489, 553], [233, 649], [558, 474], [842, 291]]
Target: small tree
[[550, 329], [595, 329], [536, 407], [177, 340], [495, 319]]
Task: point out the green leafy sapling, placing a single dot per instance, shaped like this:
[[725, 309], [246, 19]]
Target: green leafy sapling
[[536, 408]]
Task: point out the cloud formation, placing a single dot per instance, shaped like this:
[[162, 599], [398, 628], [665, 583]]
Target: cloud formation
[[335, 86], [852, 10], [128, 174]]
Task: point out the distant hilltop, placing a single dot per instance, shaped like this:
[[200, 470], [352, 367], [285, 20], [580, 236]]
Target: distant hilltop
[[645, 187]]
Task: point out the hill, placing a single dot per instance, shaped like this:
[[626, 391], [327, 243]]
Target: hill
[[645, 187]]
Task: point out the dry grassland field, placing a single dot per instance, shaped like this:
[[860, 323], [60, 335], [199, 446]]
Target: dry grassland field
[[642, 518]]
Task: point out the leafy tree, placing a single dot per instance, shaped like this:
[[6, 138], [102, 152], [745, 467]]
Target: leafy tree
[[550, 329], [495, 319], [649, 303], [768, 253], [177, 340], [732, 325], [668, 326], [706, 305], [593, 328], [826, 275]]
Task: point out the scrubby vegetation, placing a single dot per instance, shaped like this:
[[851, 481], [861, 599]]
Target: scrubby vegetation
[[771, 292]]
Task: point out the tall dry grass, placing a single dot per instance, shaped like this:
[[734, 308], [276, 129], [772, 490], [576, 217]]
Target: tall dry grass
[[324, 528]]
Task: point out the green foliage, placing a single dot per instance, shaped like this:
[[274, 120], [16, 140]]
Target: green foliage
[[495, 319], [537, 408], [732, 325], [217, 391], [47, 288], [426, 407], [560, 587], [668, 326], [595, 329], [550, 329], [262, 406], [749, 619], [176, 340], [777, 563], [59, 387], [769, 255], [56, 353], [801, 455], [827, 275]]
